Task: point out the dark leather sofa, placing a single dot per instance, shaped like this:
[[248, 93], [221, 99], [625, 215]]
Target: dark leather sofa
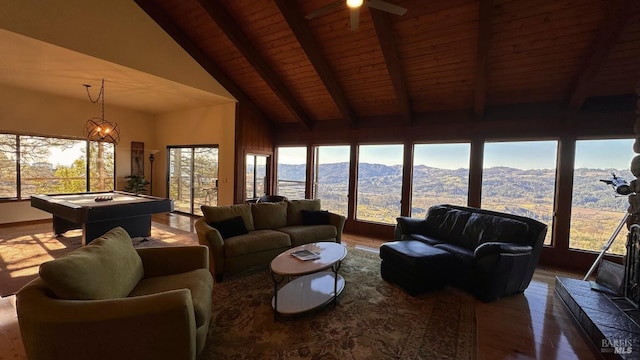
[[494, 254]]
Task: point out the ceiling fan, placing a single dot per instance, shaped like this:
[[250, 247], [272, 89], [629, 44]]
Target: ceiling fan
[[354, 9]]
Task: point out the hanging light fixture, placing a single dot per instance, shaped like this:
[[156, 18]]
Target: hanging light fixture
[[99, 128], [354, 4]]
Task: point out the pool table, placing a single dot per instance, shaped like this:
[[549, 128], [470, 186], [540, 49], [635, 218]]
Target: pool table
[[98, 212]]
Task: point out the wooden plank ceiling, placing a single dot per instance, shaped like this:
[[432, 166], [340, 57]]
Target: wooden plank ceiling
[[442, 55]]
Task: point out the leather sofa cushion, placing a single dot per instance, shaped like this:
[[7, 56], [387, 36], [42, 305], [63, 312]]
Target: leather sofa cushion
[[269, 215], [461, 253], [295, 207], [414, 255], [198, 281], [446, 223], [305, 234], [219, 213], [109, 267], [423, 238], [255, 241], [482, 228], [409, 225]]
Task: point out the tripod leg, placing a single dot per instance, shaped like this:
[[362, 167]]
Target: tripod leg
[[606, 246]]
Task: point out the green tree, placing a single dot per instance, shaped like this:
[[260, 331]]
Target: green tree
[[71, 179], [101, 166]]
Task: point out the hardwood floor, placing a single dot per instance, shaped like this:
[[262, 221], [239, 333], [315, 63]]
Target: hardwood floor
[[534, 325]]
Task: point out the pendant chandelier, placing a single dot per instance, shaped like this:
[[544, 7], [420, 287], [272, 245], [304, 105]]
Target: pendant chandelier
[[99, 128]]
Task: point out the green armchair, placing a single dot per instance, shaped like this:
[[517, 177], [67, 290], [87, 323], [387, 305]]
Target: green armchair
[[108, 300]]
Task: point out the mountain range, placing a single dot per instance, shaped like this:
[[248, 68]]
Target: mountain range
[[498, 182]]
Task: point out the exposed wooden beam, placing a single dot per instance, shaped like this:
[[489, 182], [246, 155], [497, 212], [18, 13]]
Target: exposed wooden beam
[[292, 14], [613, 25], [382, 24], [170, 27], [225, 21], [485, 19]]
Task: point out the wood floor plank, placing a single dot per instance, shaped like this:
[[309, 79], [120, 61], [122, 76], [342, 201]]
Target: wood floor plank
[[10, 341]]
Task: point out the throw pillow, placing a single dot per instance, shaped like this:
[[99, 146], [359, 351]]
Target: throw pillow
[[407, 225], [108, 268], [219, 213], [268, 216], [230, 227], [295, 207], [446, 223], [511, 230], [311, 217]]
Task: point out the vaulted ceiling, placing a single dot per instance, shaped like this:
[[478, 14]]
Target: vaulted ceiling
[[442, 55]]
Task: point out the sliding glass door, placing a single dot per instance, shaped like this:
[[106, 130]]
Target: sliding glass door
[[193, 177], [331, 177], [292, 172], [256, 174]]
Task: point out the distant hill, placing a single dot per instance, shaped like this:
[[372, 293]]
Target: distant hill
[[504, 182]]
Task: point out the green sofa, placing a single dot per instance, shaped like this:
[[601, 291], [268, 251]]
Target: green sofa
[[269, 229], [108, 300]]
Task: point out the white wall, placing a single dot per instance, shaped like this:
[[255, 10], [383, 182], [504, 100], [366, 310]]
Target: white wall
[[207, 125], [35, 113], [120, 32], [117, 31]]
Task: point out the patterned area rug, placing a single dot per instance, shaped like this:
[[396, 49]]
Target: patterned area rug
[[373, 320]]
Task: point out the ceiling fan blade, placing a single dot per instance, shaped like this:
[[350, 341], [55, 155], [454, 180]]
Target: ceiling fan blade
[[385, 6], [323, 10], [355, 18]]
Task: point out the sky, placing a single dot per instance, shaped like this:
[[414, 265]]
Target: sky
[[68, 156], [604, 154], [599, 154]]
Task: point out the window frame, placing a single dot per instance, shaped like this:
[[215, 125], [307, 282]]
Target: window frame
[[413, 165], [267, 182], [617, 247], [193, 183], [357, 181], [550, 238], [277, 172], [19, 176], [316, 166]]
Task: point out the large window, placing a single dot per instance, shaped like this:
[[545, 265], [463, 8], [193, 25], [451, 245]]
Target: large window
[[331, 177], [8, 166], [193, 177], [256, 176], [440, 176], [596, 209], [519, 178], [292, 172], [379, 183], [46, 165]]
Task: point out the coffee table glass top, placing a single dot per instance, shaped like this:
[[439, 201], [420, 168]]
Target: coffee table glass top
[[329, 254]]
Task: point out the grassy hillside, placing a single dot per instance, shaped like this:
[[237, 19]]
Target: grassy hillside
[[596, 210]]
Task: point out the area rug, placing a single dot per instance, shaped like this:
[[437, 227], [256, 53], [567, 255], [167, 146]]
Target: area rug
[[372, 320]]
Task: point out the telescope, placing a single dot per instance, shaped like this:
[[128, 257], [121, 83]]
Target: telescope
[[619, 185]]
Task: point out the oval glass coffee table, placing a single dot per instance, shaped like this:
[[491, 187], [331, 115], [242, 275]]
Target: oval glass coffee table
[[309, 286]]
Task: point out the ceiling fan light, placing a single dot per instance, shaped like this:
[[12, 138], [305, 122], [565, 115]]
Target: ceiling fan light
[[354, 4]]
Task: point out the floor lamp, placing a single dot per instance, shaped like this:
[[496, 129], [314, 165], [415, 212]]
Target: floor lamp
[[152, 157]]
